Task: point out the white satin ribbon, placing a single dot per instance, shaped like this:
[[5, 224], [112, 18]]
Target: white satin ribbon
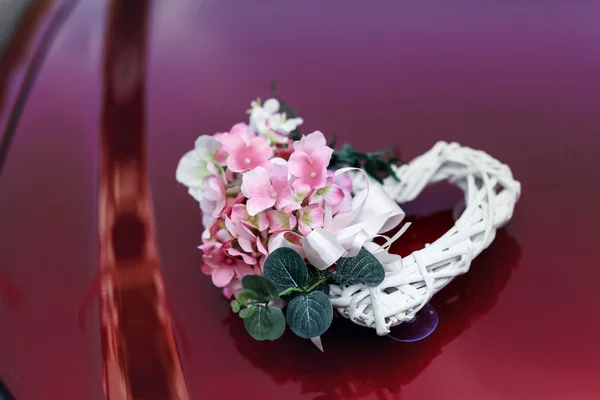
[[373, 212], [284, 239]]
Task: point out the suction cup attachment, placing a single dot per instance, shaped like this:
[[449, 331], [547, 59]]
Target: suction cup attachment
[[418, 328]]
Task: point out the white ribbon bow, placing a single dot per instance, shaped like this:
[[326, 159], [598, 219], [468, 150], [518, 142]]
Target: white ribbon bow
[[373, 212]]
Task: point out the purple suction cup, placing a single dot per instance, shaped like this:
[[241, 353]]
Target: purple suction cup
[[418, 328]]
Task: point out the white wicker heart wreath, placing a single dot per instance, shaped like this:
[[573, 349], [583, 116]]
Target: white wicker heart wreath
[[291, 224], [491, 193]]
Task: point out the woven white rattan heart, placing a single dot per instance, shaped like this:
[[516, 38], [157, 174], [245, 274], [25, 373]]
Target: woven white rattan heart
[[490, 192]]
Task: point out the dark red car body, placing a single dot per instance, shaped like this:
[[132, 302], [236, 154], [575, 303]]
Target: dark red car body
[[100, 286]]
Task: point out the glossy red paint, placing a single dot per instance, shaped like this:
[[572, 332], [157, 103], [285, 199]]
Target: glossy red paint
[[518, 80], [140, 359]]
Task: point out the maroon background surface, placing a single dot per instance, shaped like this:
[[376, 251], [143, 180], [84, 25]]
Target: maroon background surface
[[516, 79]]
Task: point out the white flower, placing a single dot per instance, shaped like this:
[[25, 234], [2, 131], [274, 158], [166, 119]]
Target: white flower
[[193, 166], [267, 121]]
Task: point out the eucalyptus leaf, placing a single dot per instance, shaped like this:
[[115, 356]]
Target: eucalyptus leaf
[[363, 269], [310, 315], [245, 295], [246, 312], [263, 287], [314, 275], [265, 323], [286, 269]]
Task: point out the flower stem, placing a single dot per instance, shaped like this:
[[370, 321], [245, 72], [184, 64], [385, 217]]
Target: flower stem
[[289, 290], [316, 284]]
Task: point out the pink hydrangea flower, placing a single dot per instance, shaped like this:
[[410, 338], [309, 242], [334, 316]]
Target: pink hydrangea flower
[[239, 213], [241, 130], [342, 180], [262, 247], [310, 217], [310, 160], [215, 236], [330, 194], [231, 202], [246, 152], [309, 143], [223, 268], [301, 191], [280, 221], [214, 197], [246, 258], [266, 188], [245, 239], [231, 290], [345, 183], [344, 206]]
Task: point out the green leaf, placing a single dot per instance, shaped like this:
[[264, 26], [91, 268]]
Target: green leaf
[[261, 286], [310, 315], [394, 160], [265, 323], [246, 312], [363, 269], [314, 275], [372, 171], [235, 306], [286, 268], [392, 173], [245, 295], [375, 156]]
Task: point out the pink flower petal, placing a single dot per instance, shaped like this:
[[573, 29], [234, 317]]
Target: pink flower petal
[[256, 183], [245, 232], [259, 204], [207, 247], [234, 287], [316, 214], [310, 217], [238, 212], [301, 191], [280, 221], [245, 244], [223, 236], [231, 227], [240, 129], [278, 174], [261, 247], [299, 164], [322, 155], [242, 270], [344, 181], [247, 259], [317, 178], [263, 222], [345, 205], [221, 156], [332, 194], [310, 142], [222, 276], [261, 148], [232, 144], [284, 198], [291, 207], [245, 154]]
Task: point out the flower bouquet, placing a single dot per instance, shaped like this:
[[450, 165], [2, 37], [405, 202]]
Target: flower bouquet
[[290, 223]]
